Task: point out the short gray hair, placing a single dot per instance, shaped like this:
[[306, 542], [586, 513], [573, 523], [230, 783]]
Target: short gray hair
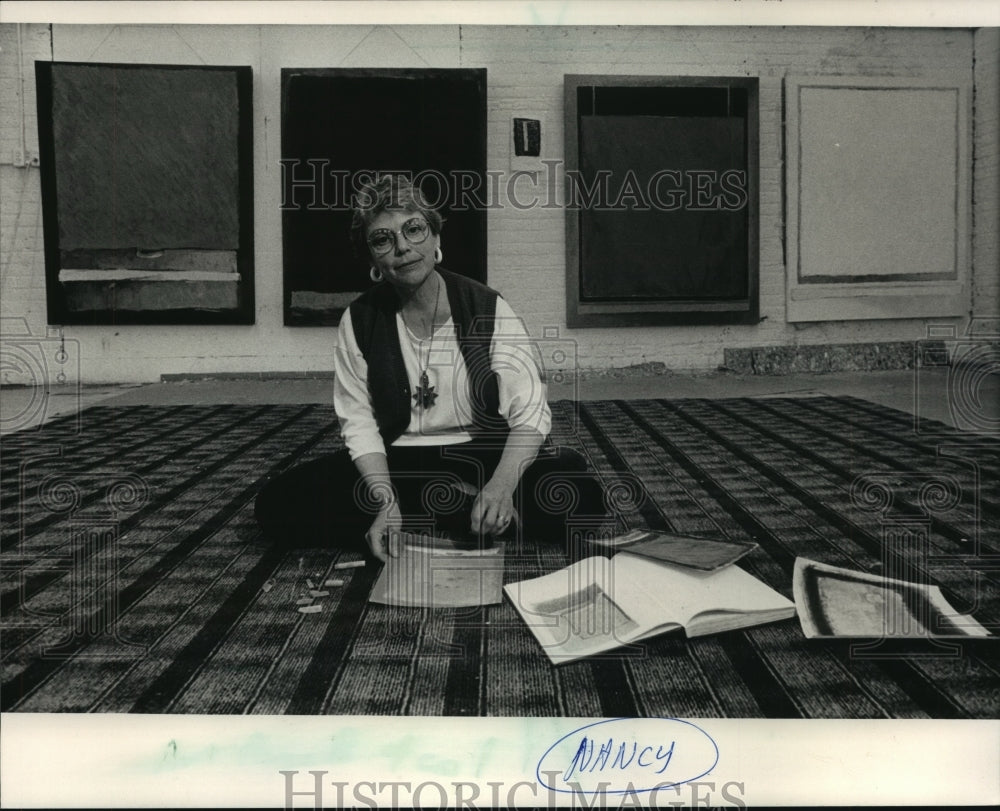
[[388, 193]]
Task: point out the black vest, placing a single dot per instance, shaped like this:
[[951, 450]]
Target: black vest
[[473, 310]]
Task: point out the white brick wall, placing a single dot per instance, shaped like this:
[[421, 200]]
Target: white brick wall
[[986, 176], [526, 248], [22, 260]]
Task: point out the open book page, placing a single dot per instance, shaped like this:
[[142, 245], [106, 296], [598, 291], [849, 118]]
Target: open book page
[[441, 578], [703, 602], [575, 612], [836, 602], [598, 604]]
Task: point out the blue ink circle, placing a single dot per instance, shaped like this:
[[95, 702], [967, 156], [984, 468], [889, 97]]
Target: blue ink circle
[[632, 789]]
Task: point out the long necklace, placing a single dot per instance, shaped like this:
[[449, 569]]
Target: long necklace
[[425, 395]]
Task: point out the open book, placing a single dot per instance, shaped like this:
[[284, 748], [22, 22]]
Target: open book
[[599, 604]]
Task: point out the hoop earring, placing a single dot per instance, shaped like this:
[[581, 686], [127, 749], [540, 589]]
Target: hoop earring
[[375, 274], [438, 255]]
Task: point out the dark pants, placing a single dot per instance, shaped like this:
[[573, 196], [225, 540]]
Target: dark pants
[[323, 503]]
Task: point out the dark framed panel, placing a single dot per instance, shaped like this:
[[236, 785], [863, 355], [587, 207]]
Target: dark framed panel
[[339, 126], [662, 200], [147, 192]]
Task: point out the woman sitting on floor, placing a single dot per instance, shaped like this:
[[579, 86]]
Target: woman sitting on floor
[[441, 405]]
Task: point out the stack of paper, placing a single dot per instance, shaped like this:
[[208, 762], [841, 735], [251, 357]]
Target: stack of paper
[[434, 573]]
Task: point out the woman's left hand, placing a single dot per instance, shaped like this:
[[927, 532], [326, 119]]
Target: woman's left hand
[[493, 509]]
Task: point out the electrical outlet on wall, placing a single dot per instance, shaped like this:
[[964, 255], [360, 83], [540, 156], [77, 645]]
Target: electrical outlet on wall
[[25, 159]]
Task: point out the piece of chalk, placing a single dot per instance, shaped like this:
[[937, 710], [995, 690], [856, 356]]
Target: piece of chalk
[[267, 586], [350, 564], [318, 593], [304, 601], [310, 609], [336, 581], [310, 583]]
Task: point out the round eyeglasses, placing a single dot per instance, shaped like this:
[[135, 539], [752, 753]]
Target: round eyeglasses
[[383, 240]]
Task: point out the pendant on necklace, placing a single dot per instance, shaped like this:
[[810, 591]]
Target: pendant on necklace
[[425, 394]]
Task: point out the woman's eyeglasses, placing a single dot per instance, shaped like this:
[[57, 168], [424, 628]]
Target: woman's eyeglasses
[[383, 240]]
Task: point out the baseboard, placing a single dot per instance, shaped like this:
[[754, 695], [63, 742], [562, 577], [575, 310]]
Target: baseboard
[[861, 357], [193, 376], [758, 360]]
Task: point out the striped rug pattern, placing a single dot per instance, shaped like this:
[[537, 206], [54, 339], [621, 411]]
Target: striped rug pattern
[[133, 577]]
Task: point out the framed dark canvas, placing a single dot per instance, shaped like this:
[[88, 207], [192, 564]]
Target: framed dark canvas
[[340, 126], [662, 217], [147, 193]]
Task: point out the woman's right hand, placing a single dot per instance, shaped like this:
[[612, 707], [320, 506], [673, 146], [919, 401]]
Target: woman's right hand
[[383, 537]]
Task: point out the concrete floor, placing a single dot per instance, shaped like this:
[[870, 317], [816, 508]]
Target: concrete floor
[[928, 391]]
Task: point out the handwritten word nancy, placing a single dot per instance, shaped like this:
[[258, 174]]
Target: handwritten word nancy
[[628, 755], [592, 757]]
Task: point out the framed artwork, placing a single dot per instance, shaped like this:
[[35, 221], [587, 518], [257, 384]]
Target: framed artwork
[[147, 193], [662, 214], [877, 181], [340, 126]]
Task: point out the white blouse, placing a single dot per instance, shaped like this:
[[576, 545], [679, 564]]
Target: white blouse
[[513, 356]]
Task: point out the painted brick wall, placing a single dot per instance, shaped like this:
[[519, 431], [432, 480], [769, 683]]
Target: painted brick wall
[[986, 178], [22, 262], [526, 248]]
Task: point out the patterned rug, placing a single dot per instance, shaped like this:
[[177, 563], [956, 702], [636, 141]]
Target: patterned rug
[[134, 578]]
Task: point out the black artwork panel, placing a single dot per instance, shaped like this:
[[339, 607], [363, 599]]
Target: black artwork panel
[[639, 246], [147, 192], [663, 215], [339, 126], [146, 158]]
